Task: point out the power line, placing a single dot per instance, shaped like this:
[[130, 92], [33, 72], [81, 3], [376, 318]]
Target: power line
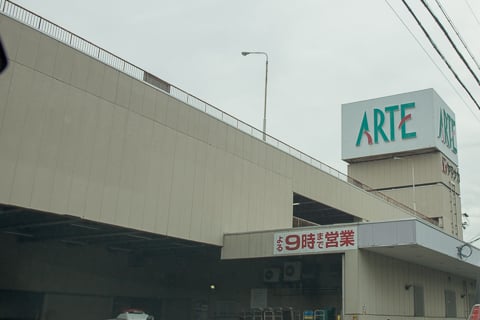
[[473, 13], [425, 4], [474, 240], [433, 61], [440, 54], [476, 236], [458, 33]]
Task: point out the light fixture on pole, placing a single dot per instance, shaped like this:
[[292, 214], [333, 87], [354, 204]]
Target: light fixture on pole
[[466, 222], [246, 53], [413, 180]]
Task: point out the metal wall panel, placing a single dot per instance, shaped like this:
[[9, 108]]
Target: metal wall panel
[[89, 141]]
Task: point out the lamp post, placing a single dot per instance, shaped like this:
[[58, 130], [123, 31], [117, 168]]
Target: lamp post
[[413, 180], [246, 53]]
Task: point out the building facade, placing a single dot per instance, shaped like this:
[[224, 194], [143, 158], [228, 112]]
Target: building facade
[[119, 191], [406, 147]]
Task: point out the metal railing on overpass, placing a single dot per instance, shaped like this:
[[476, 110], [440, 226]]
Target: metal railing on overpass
[[53, 30]]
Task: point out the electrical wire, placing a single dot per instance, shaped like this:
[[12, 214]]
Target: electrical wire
[[476, 239], [433, 61], [440, 25], [473, 13], [440, 53], [458, 33]]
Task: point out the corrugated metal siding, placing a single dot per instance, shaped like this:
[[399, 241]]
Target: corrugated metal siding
[[382, 287]]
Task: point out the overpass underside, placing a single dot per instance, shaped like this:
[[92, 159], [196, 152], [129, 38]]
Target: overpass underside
[[63, 266], [35, 227]]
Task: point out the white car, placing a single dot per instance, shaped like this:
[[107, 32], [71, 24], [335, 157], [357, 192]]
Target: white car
[[133, 314]]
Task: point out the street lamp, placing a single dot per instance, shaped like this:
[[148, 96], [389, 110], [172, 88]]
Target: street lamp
[[246, 53], [466, 222], [413, 180]]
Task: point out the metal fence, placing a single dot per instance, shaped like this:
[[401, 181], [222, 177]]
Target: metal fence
[[53, 30]]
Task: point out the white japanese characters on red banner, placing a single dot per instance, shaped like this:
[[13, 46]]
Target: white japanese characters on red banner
[[315, 240]]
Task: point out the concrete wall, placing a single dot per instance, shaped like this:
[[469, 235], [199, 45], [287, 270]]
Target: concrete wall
[[79, 282], [376, 288], [81, 138], [431, 182], [341, 195], [50, 267], [387, 173], [438, 208], [75, 307]]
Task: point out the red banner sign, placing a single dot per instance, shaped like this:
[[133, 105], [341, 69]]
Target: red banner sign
[[315, 240]]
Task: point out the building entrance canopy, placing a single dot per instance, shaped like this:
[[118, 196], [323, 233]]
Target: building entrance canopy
[[410, 240]]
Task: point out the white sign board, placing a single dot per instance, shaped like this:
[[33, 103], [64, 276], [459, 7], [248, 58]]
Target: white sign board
[[401, 123], [315, 240], [258, 298]]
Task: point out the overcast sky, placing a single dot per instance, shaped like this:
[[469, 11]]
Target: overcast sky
[[321, 54]]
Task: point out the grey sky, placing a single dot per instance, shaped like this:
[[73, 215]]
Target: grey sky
[[322, 54]]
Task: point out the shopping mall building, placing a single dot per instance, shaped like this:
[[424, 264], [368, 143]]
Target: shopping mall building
[[119, 190]]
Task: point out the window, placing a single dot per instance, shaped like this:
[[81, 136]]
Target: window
[[418, 302], [450, 304]]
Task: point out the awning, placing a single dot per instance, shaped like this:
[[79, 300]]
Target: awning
[[421, 243], [409, 240]]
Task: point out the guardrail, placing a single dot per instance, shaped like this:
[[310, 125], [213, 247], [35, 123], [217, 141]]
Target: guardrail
[[300, 223], [55, 31]]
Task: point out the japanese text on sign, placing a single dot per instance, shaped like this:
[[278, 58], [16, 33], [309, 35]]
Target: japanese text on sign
[[319, 240]]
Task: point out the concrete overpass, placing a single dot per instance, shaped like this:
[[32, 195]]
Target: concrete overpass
[[89, 135]]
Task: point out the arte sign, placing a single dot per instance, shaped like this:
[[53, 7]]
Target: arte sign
[[447, 131], [386, 129], [450, 171], [407, 123], [315, 240]]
